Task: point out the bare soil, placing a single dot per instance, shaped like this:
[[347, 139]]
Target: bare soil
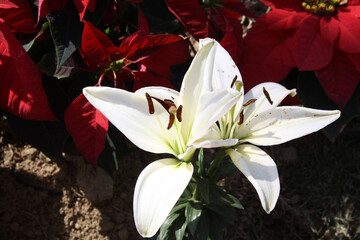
[[42, 199]]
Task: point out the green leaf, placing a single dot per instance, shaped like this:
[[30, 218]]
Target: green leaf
[[204, 189], [66, 31], [192, 213], [235, 202], [311, 93], [201, 169], [28, 45], [163, 232], [203, 227], [48, 64], [180, 228]]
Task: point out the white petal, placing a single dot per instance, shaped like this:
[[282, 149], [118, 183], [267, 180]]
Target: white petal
[[221, 69], [212, 107], [276, 92], [212, 139], [160, 93], [260, 170], [282, 124], [157, 189], [211, 69], [129, 113]]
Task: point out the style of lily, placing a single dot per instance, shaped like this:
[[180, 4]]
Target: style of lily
[[257, 119], [161, 120]]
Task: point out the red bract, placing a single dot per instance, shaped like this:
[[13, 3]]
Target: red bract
[[19, 17], [21, 89], [311, 38], [154, 53], [218, 22], [47, 6], [88, 128]]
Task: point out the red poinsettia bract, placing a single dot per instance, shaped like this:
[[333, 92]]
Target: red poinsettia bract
[[154, 54], [220, 22], [321, 36], [21, 89]]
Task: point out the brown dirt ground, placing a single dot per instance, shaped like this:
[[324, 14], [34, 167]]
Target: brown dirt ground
[[42, 199]]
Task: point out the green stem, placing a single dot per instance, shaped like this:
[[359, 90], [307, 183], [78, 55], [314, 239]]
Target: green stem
[[214, 166]]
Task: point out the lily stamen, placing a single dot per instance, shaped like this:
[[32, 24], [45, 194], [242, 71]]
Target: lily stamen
[[249, 102], [241, 117], [178, 113], [233, 81], [150, 103], [267, 95]]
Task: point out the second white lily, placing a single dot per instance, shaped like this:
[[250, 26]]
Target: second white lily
[[161, 120], [257, 119]]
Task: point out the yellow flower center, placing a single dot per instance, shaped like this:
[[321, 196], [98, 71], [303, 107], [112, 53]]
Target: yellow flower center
[[321, 7]]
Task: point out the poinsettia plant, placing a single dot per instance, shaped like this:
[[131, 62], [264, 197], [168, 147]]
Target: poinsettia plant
[[61, 45], [318, 36], [75, 71]]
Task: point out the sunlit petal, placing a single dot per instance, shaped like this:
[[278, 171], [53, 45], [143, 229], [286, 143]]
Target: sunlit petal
[[259, 168], [212, 107], [277, 93], [160, 93], [212, 69], [157, 189], [212, 139], [283, 124], [130, 114]]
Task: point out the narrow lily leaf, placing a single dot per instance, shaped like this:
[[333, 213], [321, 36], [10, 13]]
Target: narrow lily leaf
[[88, 128], [157, 189], [192, 213], [282, 124], [260, 170], [66, 31], [277, 93], [128, 112]]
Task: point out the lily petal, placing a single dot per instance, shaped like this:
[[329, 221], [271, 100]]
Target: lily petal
[[129, 112], [212, 139], [222, 67], [259, 168], [211, 68], [276, 92], [157, 189], [212, 107], [282, 124], [161, 93]]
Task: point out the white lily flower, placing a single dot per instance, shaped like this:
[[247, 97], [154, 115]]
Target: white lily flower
[[161, 120], [257, 119]]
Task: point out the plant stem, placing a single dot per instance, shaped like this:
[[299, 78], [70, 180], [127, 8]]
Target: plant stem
[[216, 163]]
